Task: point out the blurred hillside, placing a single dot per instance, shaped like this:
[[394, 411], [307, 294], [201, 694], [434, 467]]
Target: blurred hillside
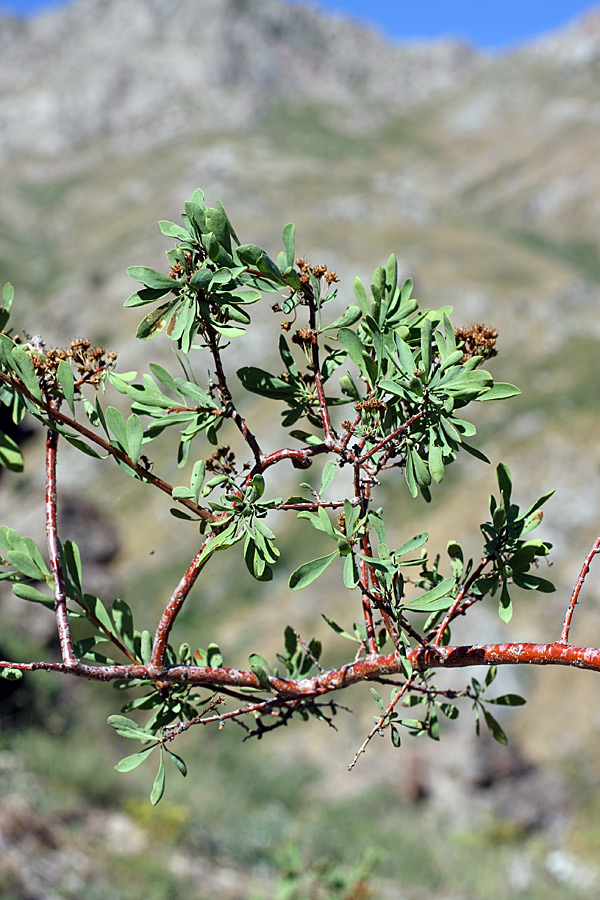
[[480, 171]]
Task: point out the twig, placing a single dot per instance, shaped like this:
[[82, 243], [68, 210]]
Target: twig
[[575, 595], [308, 652], [225, 394], [368, 668], [167, 620], [60, 595], [390, 437], [382, 721], [330, 435], [455, 608]]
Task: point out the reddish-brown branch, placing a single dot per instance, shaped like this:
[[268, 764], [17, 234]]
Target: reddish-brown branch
[[350, 432], [368, 668], [315, 504], [167, 620], [301, 458], [575, 595], [330, 436], [391, 436], [376, 598], [456, 607], [60, 594], [107, 447], [361, 495], [230, 409]]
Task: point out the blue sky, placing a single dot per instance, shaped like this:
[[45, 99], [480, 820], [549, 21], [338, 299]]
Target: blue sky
[[486, 23]]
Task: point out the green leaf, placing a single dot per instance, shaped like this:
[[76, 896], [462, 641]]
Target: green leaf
[[214, 657], [170, 229], [352, 344], [197, 479], [500, 391], [123, 619], [413, 544], [351, 577], [72, 562], [474, 452], [308, 572], [11, 674], [64, 374], [146, 295], [426, 331], [407, 360], [134, 433], [420, 469], [177, 760], [155, 321], [330, 470], [347, 318], [8, 295], [508, 700], [257, 381], [409, 474], [505, 604], [454, 551], [494, 727], [439, 597], [288, 235], [128, 728], [435, 460], [258, 665], [11, 457], [158, 788], [146, 646], [504, 483], [153, 279], [256, 258], [117, 425], [533, 583], [378, 700], [132, 762], [26, 370], [339, 630], [23, 563], [361, 294], [27, 592], [98, 611]]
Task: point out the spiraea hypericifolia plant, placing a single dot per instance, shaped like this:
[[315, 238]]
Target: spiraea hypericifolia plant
[[380, 390]]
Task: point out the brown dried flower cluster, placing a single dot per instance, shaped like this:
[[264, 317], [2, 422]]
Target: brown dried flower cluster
[[304, 337], [222, 461], [476, 340], [178, 270], [370, 403], [90, 363], [319, 271]]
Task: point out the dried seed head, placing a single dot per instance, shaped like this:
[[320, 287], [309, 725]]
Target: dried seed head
[[476, 340]]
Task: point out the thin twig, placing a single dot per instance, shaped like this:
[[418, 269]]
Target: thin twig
[[330, 435], [167, 620], [60, 594], [391, 436], [575, 595], [455, 608], [382, 721], [230, 409], [309, 652]]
